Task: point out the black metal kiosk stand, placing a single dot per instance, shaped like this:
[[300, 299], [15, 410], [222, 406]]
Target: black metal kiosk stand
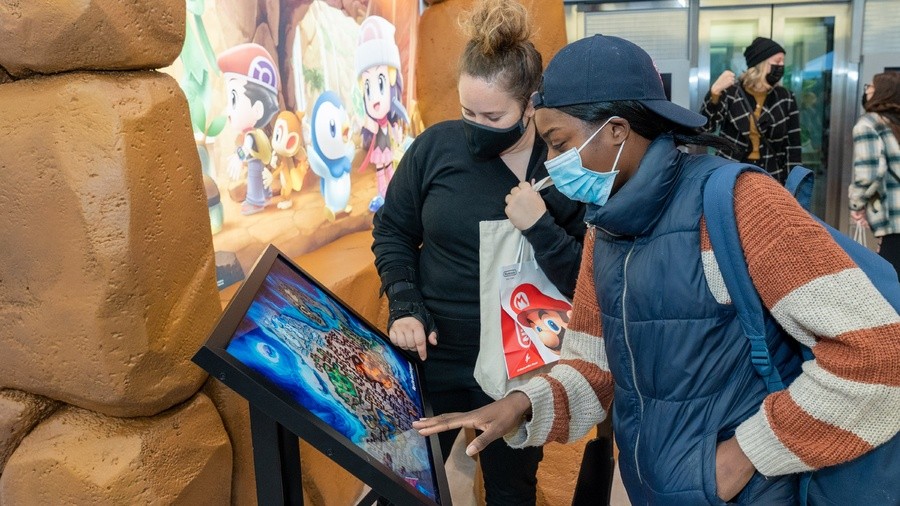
[[276, 460], [311, 368]]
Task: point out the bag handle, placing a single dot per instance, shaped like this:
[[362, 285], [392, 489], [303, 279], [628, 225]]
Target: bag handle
[[520, 255], [546, 182], [859, 235]]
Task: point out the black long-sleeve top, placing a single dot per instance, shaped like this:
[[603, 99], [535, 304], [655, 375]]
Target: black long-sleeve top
[[430, 218]]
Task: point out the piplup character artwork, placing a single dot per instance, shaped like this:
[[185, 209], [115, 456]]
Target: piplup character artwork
[[330, 152]]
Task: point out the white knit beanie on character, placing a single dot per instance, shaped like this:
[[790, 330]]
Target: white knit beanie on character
[[376, 45]]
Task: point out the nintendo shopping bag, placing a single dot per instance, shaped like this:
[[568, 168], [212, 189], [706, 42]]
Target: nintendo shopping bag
[[523, 315]]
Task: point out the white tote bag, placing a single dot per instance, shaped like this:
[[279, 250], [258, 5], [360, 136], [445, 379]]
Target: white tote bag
[[859, 234], [523, 315]]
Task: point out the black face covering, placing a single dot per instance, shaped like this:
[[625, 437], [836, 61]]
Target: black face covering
[[776, 72], [865, 99], [487, 142]]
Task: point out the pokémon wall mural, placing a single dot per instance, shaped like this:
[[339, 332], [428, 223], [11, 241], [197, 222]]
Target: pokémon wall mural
[[301, 111]]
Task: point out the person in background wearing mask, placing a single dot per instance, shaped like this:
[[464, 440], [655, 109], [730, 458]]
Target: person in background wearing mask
[[875, 191], [426, 237], [755, 113], [653, 338]]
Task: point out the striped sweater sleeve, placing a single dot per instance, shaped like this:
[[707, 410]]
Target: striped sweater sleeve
[[846, 400], [577, 392]]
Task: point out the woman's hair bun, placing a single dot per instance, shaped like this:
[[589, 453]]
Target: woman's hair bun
[[494, 26]]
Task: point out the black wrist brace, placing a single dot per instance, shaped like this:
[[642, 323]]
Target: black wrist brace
[[404, 298]]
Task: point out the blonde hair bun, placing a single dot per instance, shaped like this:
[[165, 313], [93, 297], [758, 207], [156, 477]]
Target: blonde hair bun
[[495, 26]]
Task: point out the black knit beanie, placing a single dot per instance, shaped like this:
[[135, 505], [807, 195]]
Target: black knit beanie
[[760, 50]]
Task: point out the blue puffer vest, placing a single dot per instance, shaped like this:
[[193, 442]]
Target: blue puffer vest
[[681, 364]]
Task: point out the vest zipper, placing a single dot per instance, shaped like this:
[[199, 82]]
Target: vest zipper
[[637, 441]]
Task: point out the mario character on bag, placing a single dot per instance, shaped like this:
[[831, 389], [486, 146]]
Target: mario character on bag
[[289, 162], [251, 81], [378, 68], [330, 152], [546, 317]]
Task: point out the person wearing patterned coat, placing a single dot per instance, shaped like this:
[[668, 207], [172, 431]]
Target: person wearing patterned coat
[[654, 341], [755, 113], [875, 190]]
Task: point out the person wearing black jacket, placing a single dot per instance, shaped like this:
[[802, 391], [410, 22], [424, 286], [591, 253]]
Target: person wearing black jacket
[[755, 113], [426, 237]]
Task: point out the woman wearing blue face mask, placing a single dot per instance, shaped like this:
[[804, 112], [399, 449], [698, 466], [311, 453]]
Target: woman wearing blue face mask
[[455, 175], [653, 332], [756, 113]]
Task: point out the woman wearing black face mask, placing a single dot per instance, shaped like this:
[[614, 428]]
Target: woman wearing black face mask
[[455, 175], [755, 113]]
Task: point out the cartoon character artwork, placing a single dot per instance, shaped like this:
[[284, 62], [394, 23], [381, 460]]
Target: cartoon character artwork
[[378, 68], [547, 317], [330, 152], [251, 81], [256, 151], [289, 162]]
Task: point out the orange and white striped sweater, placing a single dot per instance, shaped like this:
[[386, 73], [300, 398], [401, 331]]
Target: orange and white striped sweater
[[844, 403]]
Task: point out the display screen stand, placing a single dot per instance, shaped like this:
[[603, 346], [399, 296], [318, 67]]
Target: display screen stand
[[276, 460], [312, 368]]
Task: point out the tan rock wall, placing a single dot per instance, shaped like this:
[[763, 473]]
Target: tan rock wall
[[181, 456], [110, 286], [235, 414], [19, 413], [50, 36], [441, 43]]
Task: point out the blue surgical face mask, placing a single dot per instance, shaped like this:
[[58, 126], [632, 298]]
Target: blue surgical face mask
[[573, 180]]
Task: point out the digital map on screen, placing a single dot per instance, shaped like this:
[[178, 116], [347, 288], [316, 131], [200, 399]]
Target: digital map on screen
[[327, 360]]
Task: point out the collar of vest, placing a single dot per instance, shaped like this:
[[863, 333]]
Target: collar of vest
[[639, 203]]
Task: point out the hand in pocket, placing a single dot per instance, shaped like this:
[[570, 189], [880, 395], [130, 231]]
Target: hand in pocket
[[733, 469]]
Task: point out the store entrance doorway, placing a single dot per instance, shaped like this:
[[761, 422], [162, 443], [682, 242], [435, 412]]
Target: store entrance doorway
[[816, 40]]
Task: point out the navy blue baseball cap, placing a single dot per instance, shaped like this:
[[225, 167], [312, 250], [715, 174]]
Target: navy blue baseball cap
[[608, 69]]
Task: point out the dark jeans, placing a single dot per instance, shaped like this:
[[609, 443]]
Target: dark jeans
[[890, 250], [510, 475]]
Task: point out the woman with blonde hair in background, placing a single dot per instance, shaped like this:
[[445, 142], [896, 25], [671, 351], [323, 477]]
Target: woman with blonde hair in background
[[875, 191], [755, 113]]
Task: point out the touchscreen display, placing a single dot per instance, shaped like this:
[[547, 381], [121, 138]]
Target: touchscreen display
[[330, 362]]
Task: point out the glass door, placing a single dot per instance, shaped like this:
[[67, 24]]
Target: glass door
[[723, 36], [815, 38]]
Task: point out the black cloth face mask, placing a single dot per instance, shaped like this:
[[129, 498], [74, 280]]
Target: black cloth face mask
[[487, 142], [775, 74]]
